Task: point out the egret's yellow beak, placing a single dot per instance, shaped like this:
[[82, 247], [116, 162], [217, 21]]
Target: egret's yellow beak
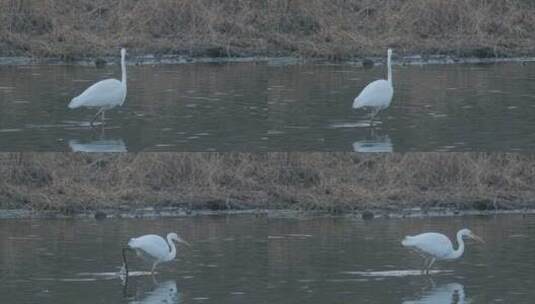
[[184, 242], [477, 238]]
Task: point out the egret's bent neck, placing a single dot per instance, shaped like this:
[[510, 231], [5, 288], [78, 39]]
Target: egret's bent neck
[[172, 253], [389, 63], [457, 253]]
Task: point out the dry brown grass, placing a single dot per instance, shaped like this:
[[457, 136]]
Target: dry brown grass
[[332, 28], [312, 181]]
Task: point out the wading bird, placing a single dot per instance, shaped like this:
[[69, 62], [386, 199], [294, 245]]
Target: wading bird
[[104, 95], [153, 248], [436, 246], [378, 94]]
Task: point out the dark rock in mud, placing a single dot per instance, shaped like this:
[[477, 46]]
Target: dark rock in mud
[[100, 63], [217, 205], [484, 53], [99, 215], [367, 63], [483, 205], [367, 215]]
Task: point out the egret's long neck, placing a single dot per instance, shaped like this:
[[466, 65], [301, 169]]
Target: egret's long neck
[[457, 253], [389, 63], [172, 253], [123, 69]]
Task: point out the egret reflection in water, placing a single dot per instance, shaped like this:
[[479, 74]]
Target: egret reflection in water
[[166, 292], [374, 143], [98, 144], [452, 293], [379, 144], [102, 145]]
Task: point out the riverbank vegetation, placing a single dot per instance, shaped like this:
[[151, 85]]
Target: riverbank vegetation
[[336, 29], [332, 182]]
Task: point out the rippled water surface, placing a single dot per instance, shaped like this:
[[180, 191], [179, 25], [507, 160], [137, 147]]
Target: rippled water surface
[[271, 107], [249, 259]]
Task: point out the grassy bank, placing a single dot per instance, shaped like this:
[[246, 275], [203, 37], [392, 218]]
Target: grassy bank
[[338, 29], [335, 182]]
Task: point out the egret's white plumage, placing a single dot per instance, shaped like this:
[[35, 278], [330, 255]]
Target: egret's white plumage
[[154, 248], [437, 246], [105, 94], [378, 94]]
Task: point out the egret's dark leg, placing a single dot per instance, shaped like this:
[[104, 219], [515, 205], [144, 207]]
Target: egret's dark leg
[[372, 132], [152, 270], [102, 133], [154, 281], [374, 113], [96, 115], [103, 111], [430, 264], [425, 264], [125, 264], [125, 287], [430, 279]]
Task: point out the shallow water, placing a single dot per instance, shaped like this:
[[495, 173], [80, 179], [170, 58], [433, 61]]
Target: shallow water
[[270, 107], [248, 259]]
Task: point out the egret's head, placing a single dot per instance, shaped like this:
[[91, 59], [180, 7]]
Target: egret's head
[[468, 233], [123, 52], [389, 52], [173, 236]]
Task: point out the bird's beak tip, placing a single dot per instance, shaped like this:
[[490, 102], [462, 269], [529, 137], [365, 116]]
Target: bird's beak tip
[[185, 243], [479, 239]]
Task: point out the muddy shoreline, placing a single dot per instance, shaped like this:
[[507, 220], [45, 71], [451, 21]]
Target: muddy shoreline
[[176, 212], [366, 62]]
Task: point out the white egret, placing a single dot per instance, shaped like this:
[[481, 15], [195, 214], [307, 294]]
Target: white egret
[[153, 248], [436, 246], [105, 94], [378, 94]]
